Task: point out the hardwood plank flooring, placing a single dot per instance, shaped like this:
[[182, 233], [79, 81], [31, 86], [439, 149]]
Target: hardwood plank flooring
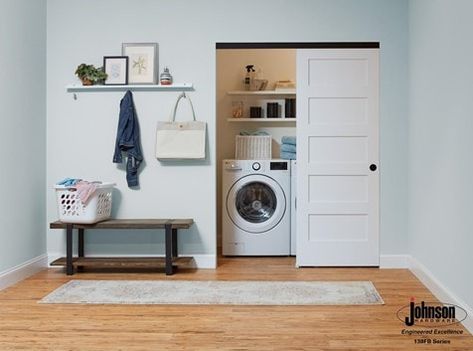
[[27, 325]]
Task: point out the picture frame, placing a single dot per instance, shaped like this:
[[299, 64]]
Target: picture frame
[[116, 68], [142, 62]]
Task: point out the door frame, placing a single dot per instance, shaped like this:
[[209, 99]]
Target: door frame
[[267, 45]]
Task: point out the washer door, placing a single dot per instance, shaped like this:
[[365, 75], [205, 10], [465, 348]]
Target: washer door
[[256, 203]]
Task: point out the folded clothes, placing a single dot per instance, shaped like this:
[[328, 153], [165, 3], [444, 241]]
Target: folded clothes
[[253, 132], [288, 140], [288, 147], [288, 155], [68, 181]]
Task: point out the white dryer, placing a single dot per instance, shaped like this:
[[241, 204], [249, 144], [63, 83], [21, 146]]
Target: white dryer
[[256, 207], [293, 206]]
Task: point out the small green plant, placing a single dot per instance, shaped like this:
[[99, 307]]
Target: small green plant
[[90, 75]]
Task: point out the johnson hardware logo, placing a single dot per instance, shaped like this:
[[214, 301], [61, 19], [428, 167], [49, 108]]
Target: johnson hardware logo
[[431, 314]]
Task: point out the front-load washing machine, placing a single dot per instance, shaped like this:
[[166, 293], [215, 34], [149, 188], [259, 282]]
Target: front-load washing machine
[[256, 207]]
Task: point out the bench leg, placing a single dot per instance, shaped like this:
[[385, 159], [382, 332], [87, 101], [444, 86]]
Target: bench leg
[[81, 243], [80, 247], [169, 249], [174, 242], [69, 267]]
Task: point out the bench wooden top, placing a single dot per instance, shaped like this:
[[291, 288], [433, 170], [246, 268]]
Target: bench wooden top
[[129, 224]]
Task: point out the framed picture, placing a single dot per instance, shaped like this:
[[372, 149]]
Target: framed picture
[[116, 68], [142, 62]]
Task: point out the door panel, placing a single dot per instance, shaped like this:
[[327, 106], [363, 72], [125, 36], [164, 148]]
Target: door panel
[[337, 136], [342, 149], [338, 227], [338, 111]]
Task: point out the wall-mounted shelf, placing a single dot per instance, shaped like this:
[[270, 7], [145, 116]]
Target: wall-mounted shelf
[[262, 92], [262, 120], [133, 87]]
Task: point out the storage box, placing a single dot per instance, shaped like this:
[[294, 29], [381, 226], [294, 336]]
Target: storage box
[[253, 147], [97, 208]]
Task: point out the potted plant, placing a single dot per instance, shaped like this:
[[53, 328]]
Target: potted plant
[[90, 75]]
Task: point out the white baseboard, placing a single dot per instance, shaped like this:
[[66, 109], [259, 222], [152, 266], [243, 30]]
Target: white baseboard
[[200, 261], [394, 261], [22, 271], [440, 291]]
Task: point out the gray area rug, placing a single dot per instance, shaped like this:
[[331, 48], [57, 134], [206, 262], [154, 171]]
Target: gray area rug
[[215, 292]]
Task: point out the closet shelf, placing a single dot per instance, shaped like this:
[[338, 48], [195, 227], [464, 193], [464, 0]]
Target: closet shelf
[[133, 87], [263, 120], [262, 92]]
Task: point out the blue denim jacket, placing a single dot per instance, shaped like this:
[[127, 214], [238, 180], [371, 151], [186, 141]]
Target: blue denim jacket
[[128, 139]]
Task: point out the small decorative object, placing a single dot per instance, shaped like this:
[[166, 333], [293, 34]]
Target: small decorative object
[[258, 84], [237, 109], [272, 110], [116, 68], [284, 85], [290, 108], [255, 112], [142, 62], [165, 78], [90, 75]]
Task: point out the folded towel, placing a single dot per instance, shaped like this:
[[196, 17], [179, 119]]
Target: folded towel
[[253, 132], [288, 147], [288, 155], [69, 181], [288, 140]]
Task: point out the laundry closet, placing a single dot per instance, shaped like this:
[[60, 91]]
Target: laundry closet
[[297, 152]]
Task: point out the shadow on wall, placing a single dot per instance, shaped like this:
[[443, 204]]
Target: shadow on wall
[[116, 201]]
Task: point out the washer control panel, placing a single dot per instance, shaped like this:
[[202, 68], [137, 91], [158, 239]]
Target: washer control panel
[[256, 166]]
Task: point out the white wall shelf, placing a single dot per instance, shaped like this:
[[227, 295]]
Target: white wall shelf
[[263, 120], [133, 87], [262, 92]]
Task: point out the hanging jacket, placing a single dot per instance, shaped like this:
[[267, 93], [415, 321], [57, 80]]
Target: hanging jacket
[[128, 139]]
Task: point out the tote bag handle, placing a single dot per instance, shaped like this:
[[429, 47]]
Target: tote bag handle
[[182, 95]]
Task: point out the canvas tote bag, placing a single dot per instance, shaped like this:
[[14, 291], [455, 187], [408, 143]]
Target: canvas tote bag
[[180, 140]]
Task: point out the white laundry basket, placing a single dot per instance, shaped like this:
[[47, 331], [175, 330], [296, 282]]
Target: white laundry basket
[[97, 208], [253, 147]]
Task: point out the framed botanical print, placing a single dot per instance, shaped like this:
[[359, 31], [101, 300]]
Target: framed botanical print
[[142, 62], [116, 68]]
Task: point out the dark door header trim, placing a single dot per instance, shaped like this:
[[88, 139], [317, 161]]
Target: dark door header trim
[[300, 45]]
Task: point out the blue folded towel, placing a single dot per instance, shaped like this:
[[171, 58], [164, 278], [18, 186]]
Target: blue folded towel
[[288, 147], [288, 155], [68, 182], [288, 140]]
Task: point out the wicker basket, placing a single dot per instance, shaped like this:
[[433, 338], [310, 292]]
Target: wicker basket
[[253, 147]]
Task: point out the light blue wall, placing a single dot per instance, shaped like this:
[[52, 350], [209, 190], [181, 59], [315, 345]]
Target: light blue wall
[[22, 131], [441, 141], [80, 133]]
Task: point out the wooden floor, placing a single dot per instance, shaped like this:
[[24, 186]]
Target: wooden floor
[[27, 325]]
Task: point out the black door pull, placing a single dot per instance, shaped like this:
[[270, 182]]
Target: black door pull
[[373, 167]]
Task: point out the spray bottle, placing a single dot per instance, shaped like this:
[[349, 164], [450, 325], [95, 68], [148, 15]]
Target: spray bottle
[[250, 72]]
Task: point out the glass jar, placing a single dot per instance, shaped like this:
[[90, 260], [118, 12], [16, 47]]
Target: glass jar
[[237, 109]]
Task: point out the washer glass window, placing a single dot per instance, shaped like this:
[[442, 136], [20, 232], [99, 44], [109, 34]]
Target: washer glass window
[[256, 202]]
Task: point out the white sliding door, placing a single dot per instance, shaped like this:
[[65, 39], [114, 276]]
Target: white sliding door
[[337, 157]]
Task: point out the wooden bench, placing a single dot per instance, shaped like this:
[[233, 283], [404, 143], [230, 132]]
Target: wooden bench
[[170, 226]]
